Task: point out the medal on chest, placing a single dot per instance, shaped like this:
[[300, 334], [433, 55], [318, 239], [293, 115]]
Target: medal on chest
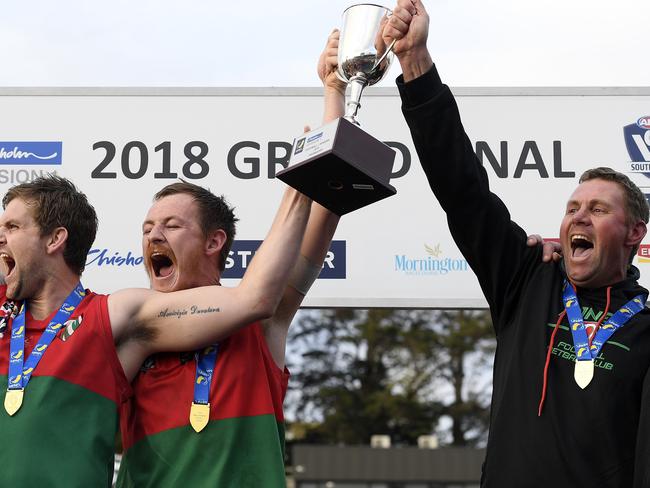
[[200, 409], [20, 370], [13, 401], [587, 349], [583, 372]]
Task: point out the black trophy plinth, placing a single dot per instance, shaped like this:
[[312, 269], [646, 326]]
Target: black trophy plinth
[[340, 166]]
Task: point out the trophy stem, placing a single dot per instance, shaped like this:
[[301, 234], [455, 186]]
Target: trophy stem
[[357, 83]]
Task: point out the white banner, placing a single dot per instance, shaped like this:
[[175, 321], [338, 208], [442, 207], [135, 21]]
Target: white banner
[[122, 145]]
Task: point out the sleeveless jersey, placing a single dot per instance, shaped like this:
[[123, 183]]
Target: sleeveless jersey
[[243, 444], [64, 433]]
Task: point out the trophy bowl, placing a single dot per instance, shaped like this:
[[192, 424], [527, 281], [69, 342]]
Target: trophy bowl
[[362, 51]]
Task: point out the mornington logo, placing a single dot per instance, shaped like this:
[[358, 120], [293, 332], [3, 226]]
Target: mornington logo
[[24, 152], [430, 264], [106, 257]]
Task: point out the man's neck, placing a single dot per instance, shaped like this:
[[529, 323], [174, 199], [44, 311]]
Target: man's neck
[[52, 295]]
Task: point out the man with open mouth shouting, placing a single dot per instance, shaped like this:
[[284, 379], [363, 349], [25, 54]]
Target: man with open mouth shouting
[[239, 441], [67, 355], [571, 391]]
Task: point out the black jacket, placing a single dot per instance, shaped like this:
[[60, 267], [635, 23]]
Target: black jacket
[[596, 437]]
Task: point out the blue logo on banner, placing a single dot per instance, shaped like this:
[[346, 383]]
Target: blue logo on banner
[[431, 264], [637, 142], [108, 257], [243, 251], [31, 152]]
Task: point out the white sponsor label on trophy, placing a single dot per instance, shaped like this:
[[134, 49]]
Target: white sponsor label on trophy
[[313, 143]]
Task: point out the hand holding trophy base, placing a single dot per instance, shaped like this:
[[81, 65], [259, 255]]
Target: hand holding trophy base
[[339, 165]]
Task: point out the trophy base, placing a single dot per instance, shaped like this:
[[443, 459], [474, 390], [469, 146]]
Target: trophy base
[[341, 167]]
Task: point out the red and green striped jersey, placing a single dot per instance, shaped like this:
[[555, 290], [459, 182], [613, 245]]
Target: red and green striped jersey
[[243, 444], [64, 433]]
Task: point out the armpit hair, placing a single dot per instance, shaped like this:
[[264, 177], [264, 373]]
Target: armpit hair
[[138, 332]]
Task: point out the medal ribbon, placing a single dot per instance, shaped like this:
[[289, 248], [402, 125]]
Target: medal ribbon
[[584, 352], [20, 371], [205, 362]]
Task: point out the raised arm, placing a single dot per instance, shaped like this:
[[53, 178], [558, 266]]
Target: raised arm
[[322, 223], [409, 25], [494, 246], [146, 321]]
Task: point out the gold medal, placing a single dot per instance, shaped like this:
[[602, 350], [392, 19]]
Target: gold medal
[[199, 416], [13, 400], [583, 372]]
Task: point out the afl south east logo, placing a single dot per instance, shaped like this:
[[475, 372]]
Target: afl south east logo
[[637, 142]]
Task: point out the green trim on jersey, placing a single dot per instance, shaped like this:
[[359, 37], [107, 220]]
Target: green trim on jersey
[[243, 452], [59, 425]]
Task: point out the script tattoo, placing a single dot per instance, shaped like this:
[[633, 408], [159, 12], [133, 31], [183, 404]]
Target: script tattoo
[[193, 310]]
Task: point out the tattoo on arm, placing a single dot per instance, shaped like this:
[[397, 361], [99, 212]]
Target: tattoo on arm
[[141, 333], [182, 312]]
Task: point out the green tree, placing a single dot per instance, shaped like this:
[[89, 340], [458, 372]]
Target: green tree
[[365, 372], [465, 351]]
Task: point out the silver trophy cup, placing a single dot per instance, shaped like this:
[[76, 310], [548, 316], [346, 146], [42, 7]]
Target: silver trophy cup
[[339, 165], [363, 57]]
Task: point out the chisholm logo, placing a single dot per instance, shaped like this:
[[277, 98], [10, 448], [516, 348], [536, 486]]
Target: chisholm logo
[[430, 264], [106, 257], [29, 152]]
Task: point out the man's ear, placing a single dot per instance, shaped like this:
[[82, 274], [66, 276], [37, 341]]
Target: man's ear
[[57, 240], [636, 233], [215, 242]]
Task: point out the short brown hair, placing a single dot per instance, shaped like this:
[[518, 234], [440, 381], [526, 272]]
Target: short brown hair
[[56, 202], [214, 212], [636, 203]]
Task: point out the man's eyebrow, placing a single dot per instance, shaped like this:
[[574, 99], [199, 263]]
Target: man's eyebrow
[[165, 220], [593, 201]]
